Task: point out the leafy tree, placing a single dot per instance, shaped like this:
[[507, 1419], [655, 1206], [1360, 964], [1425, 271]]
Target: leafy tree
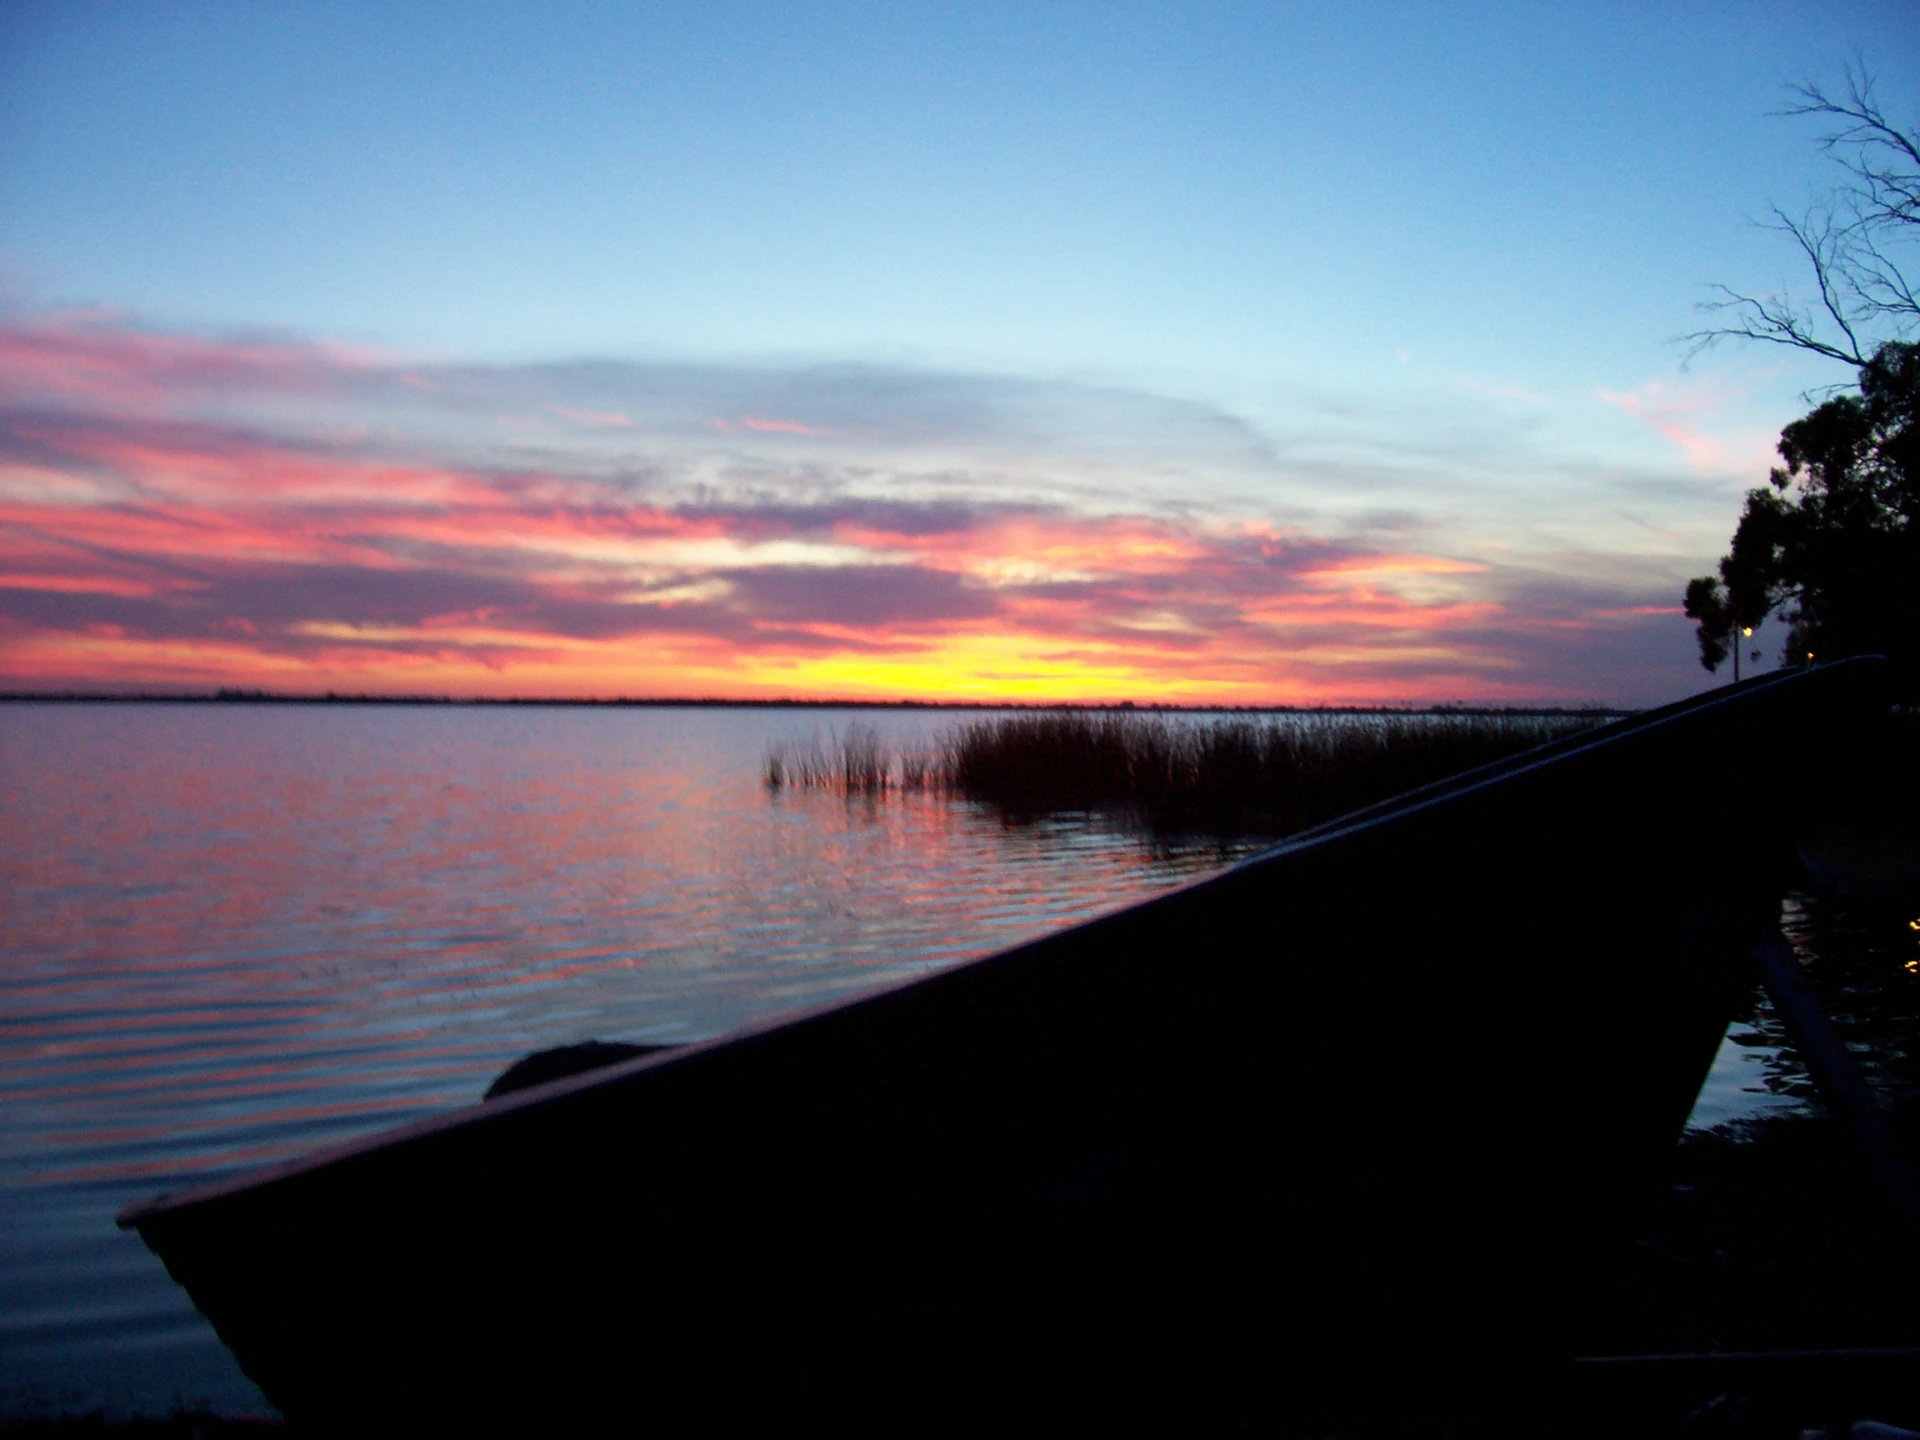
[[1833, 544]]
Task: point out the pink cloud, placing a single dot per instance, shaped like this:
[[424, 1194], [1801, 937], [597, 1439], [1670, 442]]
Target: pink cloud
[[89, 357], [143, 544], [592, 419], [304, 558], [764, 426], [1685, 418]]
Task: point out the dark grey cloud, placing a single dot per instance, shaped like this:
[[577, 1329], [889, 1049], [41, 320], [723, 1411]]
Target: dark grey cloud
[[860, 594]]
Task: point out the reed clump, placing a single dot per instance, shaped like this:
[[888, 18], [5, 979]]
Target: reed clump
[[1230, 775], [852, 763]]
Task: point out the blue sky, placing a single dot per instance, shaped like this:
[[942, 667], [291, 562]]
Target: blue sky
[[1431, 260]]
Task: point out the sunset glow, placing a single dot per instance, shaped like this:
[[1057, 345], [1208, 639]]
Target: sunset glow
[[165, 524], [1237, 356]]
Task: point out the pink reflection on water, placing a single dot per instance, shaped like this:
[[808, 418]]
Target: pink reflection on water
[[231, 934], [326, 913]]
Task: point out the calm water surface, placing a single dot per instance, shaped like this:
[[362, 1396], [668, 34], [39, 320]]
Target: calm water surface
[[233, 933]]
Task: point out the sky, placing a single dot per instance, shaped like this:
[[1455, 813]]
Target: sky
[[1223, 354]]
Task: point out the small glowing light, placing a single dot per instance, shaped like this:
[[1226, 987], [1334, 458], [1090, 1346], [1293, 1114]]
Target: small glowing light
[[1746, 629], [1913, 924], [1913, 967]]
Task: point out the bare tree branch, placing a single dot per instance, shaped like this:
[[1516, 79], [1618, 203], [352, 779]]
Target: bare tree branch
[[1852, 244], [1866, 122]]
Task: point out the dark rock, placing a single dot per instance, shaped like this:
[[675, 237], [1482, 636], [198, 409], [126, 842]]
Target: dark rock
[[562, 1061]]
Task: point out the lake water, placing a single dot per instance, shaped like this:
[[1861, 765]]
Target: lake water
[[233, 933]]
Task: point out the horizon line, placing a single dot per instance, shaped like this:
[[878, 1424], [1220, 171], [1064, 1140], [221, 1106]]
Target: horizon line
[[233, 696]]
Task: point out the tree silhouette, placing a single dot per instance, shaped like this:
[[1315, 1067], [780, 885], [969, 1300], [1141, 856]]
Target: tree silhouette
[[1833, 543]]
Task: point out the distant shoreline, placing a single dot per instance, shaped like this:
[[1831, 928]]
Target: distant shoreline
[[264, 697]]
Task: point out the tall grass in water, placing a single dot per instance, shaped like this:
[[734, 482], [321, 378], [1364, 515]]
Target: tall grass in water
[[1228, 776], [852, 763]]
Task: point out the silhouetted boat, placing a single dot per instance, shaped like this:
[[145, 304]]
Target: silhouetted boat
[[1373, 1103]]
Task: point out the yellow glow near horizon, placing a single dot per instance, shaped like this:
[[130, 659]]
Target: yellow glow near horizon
[[972, 668]]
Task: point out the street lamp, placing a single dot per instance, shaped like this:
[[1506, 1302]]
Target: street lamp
[[1746, 633]]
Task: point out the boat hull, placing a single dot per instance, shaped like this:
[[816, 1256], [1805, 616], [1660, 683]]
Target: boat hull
[[1380, 1101]]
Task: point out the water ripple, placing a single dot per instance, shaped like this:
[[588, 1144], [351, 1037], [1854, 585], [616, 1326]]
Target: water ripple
[[231, 934]]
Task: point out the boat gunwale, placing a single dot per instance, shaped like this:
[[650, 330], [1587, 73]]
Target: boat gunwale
[[1372, 817]]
